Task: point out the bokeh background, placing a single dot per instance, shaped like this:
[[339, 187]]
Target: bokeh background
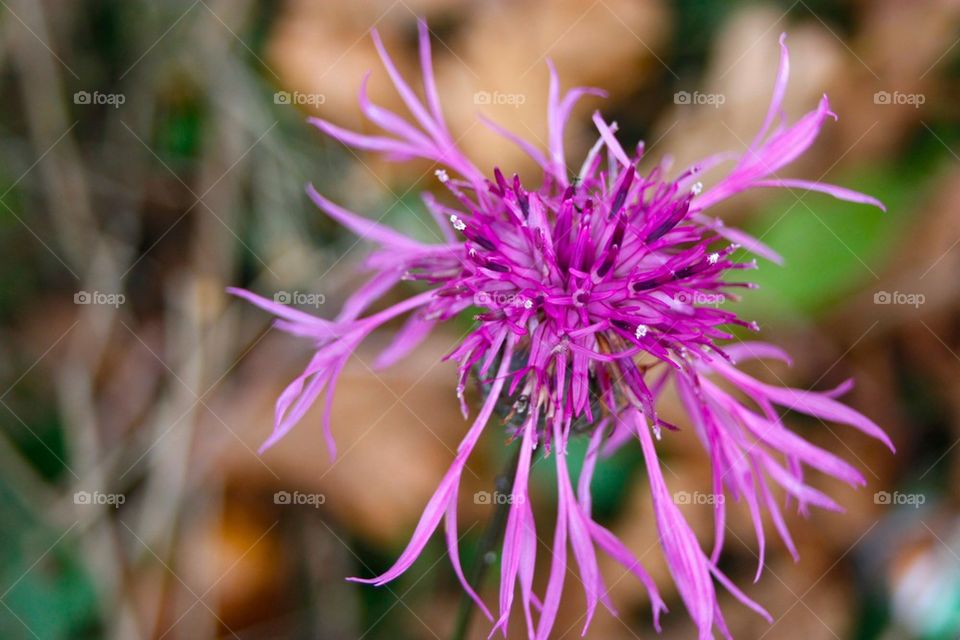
[[153, 153]]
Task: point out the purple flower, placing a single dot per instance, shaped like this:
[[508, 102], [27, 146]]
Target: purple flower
[[591, 289]]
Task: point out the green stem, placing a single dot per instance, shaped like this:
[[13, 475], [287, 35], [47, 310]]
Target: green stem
[[486, 554]]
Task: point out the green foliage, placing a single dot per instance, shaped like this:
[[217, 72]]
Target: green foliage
[[48, 593], [831, 248]]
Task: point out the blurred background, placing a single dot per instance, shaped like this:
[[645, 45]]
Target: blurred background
[[153, 153]]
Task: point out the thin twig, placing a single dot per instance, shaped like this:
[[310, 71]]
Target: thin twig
[[490, 539]]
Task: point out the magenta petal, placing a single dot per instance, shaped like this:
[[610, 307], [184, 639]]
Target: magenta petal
[[369, 143], [527, 148], [558, 572], [528, 559], [367, 294], [837, 192], [745, 240], [321, 326], [580, 542], [688, 565], [389, 121], [610, 139], [514, 541], [429, 82], [744, 351], [808, 402], [413, 333], [364, 228], [453, 548], [439, 503], [406, 93], [779, 91], [619, 552]]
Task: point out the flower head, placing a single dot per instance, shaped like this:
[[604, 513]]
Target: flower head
[[595, 290]]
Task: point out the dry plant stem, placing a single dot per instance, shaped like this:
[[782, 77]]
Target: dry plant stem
[[490, 540]]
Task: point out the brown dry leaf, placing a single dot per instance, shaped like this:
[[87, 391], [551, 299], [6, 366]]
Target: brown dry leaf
[[925, 261], [880, 60], [742, 69], [526, 34], [320, 49], [396, 433], [233, 560]]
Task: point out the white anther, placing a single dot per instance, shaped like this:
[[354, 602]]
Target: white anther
[[713, 257], [696, 188], [457, 223], [641, 330], [441, 175]]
